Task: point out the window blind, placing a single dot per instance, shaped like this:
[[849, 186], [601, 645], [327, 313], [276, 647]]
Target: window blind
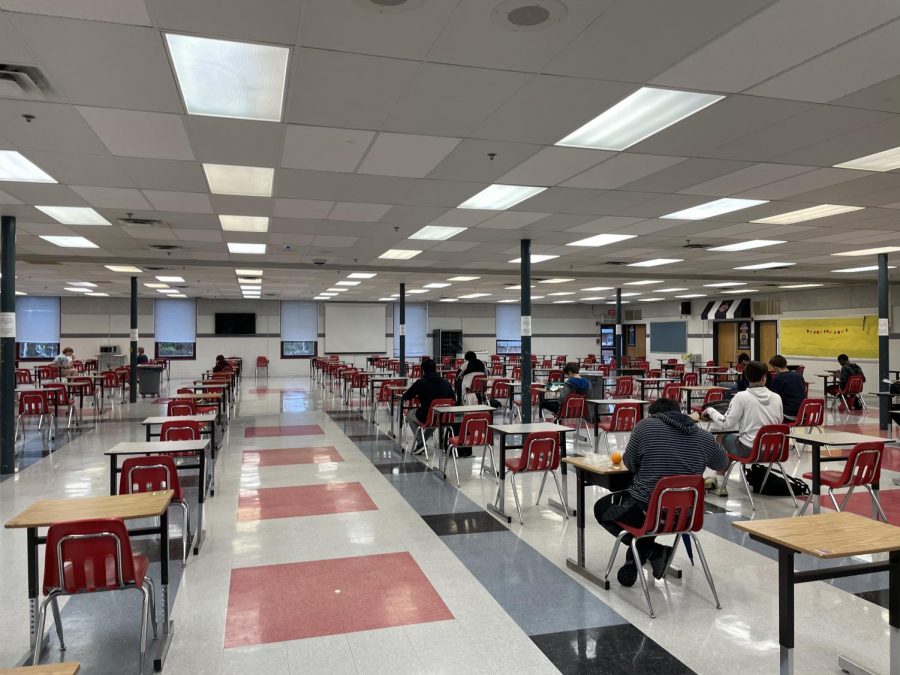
[[299, 321], [508, 322], [175, 320], [416, 329], [37, 319]]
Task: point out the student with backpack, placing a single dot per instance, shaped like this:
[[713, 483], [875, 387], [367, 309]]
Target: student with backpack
[[848, 368]]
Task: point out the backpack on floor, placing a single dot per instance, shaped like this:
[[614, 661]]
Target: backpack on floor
[[774, 486]]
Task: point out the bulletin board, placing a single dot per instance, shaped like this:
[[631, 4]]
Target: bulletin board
[[668, 337], [856, 336]]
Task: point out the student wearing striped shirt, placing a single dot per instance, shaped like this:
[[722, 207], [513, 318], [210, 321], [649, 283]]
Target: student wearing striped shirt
[[667, 443]]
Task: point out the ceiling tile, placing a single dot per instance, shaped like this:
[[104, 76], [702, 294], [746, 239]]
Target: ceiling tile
[[70, 168], [115, 11], [746, 179], [406, 155], [556, 199], [482, 160], [683, 174], [333, 242], [463, 217], [553, 165], [445, 193], [234, 19], [321, 185], [302, 208], [416, 216], [44, 194], [605, 224], [323, 148], [803, 183], [367, 213], [512, 220], [227, 141], [884, 95], [857, 143], [623, 168], [131, 133], [198, 235], [242, 206], [55, 128], [163, 174], [112, 198], [187, 202], [375, 189], [611, 202]]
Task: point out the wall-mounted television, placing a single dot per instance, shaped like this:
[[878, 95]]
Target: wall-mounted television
[[235, 323], [509, 346]]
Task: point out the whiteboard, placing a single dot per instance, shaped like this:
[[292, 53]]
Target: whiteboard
[[352, 328]]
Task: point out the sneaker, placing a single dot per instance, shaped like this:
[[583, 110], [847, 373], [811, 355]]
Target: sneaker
[[722, 492], [627, 574], [710, 484], [659, 559]]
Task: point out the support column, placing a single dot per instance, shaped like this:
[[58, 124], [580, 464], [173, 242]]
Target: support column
[[7, 344], [525, 305], [132, 383], [402, 330], [884, 402], [619, 337]]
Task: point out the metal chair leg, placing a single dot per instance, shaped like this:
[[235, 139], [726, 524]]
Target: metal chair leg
[[787, 482], [454, 454], [541, 490], [709, 579], [562, 497], [145, 615], [512, 480], [152, 588], [847, 497], [803, 508], [876, 502], [39, 635], [642, 576], [747, 488], [57, 622], [612, 556], [185, 533]]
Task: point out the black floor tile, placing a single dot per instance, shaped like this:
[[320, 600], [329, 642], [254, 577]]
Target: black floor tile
[[713, 508], [463, 523], [618, 650], [879, 598], [410, 466]]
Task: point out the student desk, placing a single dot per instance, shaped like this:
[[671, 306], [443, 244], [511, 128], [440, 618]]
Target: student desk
[[597, 402], [208, 420], [828, 378], [827, 536], [217, 398], [397, 391], [127, 507], [66, 668], [222, 387], [654, 382], [819, 441], [199, 448], [457, 412], [694, 389], [504, 430]]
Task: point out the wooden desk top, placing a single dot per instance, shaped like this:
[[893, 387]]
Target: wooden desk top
[[197, 397], [529, 428], [207, 417], [211, 383], [49, 511], [463, 408], [156, 447], [581, 463], [611, 401], [827, 535], [698, 387], [835, 438], [828, 374], [67, 668]]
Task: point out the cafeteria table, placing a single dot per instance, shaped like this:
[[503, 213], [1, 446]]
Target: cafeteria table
[[598, 402], [654, 382], [456, 411], [690, 390], [64, 668], [46, 512], [207, 419]]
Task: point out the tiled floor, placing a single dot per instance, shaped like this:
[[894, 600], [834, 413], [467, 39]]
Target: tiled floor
[[328, 551]]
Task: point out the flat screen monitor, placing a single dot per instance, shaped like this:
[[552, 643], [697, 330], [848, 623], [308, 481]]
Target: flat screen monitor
[[509, 346], [235, 324]]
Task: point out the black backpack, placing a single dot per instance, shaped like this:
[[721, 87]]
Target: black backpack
[[775, 486], [856, 370]]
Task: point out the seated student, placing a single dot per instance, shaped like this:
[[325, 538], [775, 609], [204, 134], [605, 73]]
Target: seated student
[[667, 443], [848, 368], [741, 385], [141, 356], [427, 388], [65, 362], [748, 411], [221, 365], [574, 384], [789, 385], [473, 366]]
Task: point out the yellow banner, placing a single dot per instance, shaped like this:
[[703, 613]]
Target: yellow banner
[[855, 336]]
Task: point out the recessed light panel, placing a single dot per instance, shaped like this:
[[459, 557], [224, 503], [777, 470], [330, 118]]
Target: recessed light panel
[[645, 112], [650, 299], [249, 273], [500, 197], [868, 268], [417, 291], [714, 208], [563, 302], [155, 285], [348, 283], [85, 284], [536, 258], [77, 289], [437, 284], [802, 286], [74, 215], [668, 290], [746, 245], [643, 282], [813, 212], [692, 295], [595, 297], [563, 293], [221, 78], [463, 278], [362, 275], [870, 251], [602, 240], [598, 288], [886, 160], [232, 179], [508, 300], [399, 254], [445, 300], [765, 266], [437, 232], [725, 284], [97, 295], [474, 295], [69, 242], [555, 281], [249, 280], [256, 249], [123, 268], [17, 168], [630, 295], [244, 223], [171, 280], [742, 290], [656, 262]]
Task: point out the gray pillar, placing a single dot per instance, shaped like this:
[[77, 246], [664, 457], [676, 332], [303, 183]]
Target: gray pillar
[[7, 344], [134, 340], [402, 330], [619, 340], [884, 402], [525, 305]]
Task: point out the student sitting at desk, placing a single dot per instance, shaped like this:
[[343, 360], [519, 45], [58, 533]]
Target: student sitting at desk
[[574, 384], [667, 443], [789, 385], [848, 368], [65, 362], [472, 367], [221, 365], [142, 358], [427, 388]]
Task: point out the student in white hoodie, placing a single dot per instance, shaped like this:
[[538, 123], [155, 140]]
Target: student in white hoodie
[[748, 411]]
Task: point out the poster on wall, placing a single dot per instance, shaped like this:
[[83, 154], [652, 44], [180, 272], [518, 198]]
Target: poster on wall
[[743, 339], [631, 336], [856, 336]]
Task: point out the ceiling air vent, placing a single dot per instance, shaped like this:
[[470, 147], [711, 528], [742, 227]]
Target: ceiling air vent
[[165, 247], [766, 307], [696, 246], [633, 314], [528, 15], [24, 82], [147, 222]]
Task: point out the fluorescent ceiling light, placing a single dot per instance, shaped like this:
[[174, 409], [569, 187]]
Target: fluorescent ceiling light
[[692, 295], [337, 290], [244, 223], [725, 284], [348, 283], [630, 295], [251, 288], [644, 282], [598, 288], [399, 254], [124, 268], [871, 251], [177, 295], [554, 281], [868, 268], [602, 240], [15, 167], [319, 297], [247, 181], [327, 295], [508, 300], [563, 302], [886, 160], [463, 278], [474, 295], [249, 273], [650, 299], [656, 262], [86, 284], [746, 245], [69, 242], [801, 286], [155, 285], [742, 290], [385, 299], [221, 78], [813, 212], [437, 232], [562, 293], [167, 291], [77, 289], [517, 287], [714, 208], [499, 197], [417, 291], [238, 247], [21, 293], [249, 280], [626, 302], [537, 297], [437, 284], [362, 275], [74, 215], [669, 290], [594, 297], [171, 280], [448, 300], [97, 295], [536, 258], [645, 112], [765, 266]]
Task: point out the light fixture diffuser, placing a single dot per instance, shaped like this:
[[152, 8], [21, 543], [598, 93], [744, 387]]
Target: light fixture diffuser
[[766, 266], [474, 295], [656, 262], [598, 288], [244, 223], [563, 293], [499, 197], [85, 284], [742, 290], [602, 240], [417, 291], [171, 280], [239, 247], [155, 285], [362, 275], [17, 168], [437, 232], [463, 278], [692, 295], [867, 268], [69, 242], [746, 245], [536, 258], [124, 268], [555, 281], [246, 181], [870, 251], [813, 212], [725, 284], [886, 160], [643, 282], [74, 215], [714, 208], [437, 284], [399, 254], [249, 273], [801, 286]]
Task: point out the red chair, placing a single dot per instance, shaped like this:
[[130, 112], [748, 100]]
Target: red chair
[[498, 369], [690, 379], [624, 417], [711, 396], [771, 446], [624, 387], [853, 388], [180, 430], [23, 376], [33, 404], [477, 385], [431, 421], [555, 376], [47, 373], [672, 391], [262, 363], [540, 452], [561, 360], [84, 388], [180, 407], [473, 432], [535, 395], [89, 556], [383, 395], [501, 391], [863, 469], [574, 415], [810, 414], [546, 363], [415, 372], [152, 474], [672, 361], [61, 392], [675, 508], [110, 383]]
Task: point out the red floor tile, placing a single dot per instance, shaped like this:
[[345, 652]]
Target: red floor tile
[[303, 500], [288, 430], [275, 603], [861, 503], [282, 456]]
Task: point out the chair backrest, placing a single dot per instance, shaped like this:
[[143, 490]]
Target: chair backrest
[[47, 372], [432, 419], [416, 371], [672, 361], [589, 360], [501, 389], [671, 391], [384, 394], [88, 555], [613, 364], [863, 465], [710, 364], [478, 383], [86, 384], [334, 357], [498, 369], [853, 386], [109, 379], [546, 363], [771, 444], [624, 416], [495, 357], [624, 387], [555, 376], [679, 367], [713, 395], [603, 369], [561, 360], [690, 379], [473, 430], [179, 407], [176, 430], [575, 408], [540, 452], [517, 372], [62, 392], [149, 474], [676, 506], [654, 372], [811, 413], [33, 403], [23, 376]]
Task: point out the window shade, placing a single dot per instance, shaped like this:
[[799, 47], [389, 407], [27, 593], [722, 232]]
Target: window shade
[[299, 321], [416, 330], [508, 322], [37, 319], [175, 320]]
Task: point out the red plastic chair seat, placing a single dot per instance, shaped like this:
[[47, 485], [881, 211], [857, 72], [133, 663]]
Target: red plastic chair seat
[[831, 479]]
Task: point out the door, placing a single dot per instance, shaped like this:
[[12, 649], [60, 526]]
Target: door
[[766, 340], [607, 343], [636, 340], [725, 347]]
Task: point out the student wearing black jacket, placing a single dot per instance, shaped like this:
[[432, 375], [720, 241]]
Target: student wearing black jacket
[[427, 388], [473, 365], [789, 385]]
